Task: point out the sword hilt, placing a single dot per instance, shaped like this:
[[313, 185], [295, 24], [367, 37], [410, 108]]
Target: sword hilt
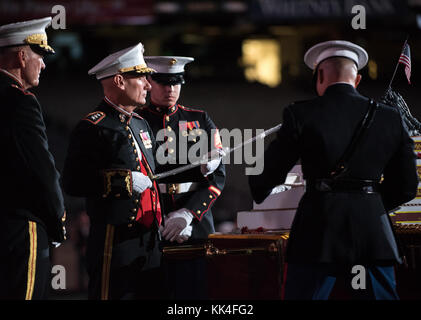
[[152, 176]]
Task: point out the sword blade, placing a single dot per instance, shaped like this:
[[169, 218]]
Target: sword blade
[[214, 153]]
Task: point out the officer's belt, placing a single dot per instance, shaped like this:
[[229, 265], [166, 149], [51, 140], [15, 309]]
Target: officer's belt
[[174, 188], [343, 185]]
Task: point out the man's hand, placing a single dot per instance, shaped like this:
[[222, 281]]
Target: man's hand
[[140, 182], [210, 166], [177, 224], [185, 234]]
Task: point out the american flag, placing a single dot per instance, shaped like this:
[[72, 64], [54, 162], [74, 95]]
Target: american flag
[[405, 59]]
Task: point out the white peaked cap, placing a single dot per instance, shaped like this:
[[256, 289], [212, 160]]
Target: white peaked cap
[[168, 64], [335, 48], [30, 32], [126, 60]]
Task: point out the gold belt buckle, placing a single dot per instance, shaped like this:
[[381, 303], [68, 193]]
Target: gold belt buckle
[[172, 188]]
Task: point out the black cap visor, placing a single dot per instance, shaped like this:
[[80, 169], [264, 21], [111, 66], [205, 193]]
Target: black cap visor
[[168, 78]]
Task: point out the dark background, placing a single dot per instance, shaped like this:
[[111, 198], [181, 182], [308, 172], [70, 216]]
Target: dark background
[[213, 32]]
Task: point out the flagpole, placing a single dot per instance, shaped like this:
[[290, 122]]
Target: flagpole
[[397, 65]]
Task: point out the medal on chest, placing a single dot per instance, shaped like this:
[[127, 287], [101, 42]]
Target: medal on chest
[[190, 128], [146, 139]]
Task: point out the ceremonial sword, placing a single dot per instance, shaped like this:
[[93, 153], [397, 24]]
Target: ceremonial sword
[[214, 154]]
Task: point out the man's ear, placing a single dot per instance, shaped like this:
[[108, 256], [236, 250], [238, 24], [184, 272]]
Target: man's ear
[[357, 80], [22, 58], [119, 81], [320, 77]]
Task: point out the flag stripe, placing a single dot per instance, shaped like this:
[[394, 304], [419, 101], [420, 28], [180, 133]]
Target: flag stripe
[[405, 63], [405, 59]]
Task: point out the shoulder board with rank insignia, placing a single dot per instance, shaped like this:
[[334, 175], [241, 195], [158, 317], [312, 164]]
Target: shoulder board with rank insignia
[[95, 117]]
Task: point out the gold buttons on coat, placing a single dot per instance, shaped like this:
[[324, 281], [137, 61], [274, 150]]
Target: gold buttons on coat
[[171, 150], [169, 128], [167, 118]]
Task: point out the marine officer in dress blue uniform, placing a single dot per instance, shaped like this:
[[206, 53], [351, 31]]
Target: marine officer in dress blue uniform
[[342, 219], [32, 206], [188, 197], [109, 161]]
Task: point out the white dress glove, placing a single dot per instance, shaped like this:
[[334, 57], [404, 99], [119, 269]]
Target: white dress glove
[[140, 182], [210, 166], [177, 224], [185, 234]]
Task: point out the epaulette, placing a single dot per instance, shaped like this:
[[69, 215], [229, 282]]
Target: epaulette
[[190, 109], [25, 92], [95, 117]]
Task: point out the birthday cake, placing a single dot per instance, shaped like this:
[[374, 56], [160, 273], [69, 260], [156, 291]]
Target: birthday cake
[[278, 210]]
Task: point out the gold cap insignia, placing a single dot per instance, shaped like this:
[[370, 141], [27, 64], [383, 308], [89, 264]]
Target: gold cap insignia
[[140, 68], [39, 39], [173, 61]]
